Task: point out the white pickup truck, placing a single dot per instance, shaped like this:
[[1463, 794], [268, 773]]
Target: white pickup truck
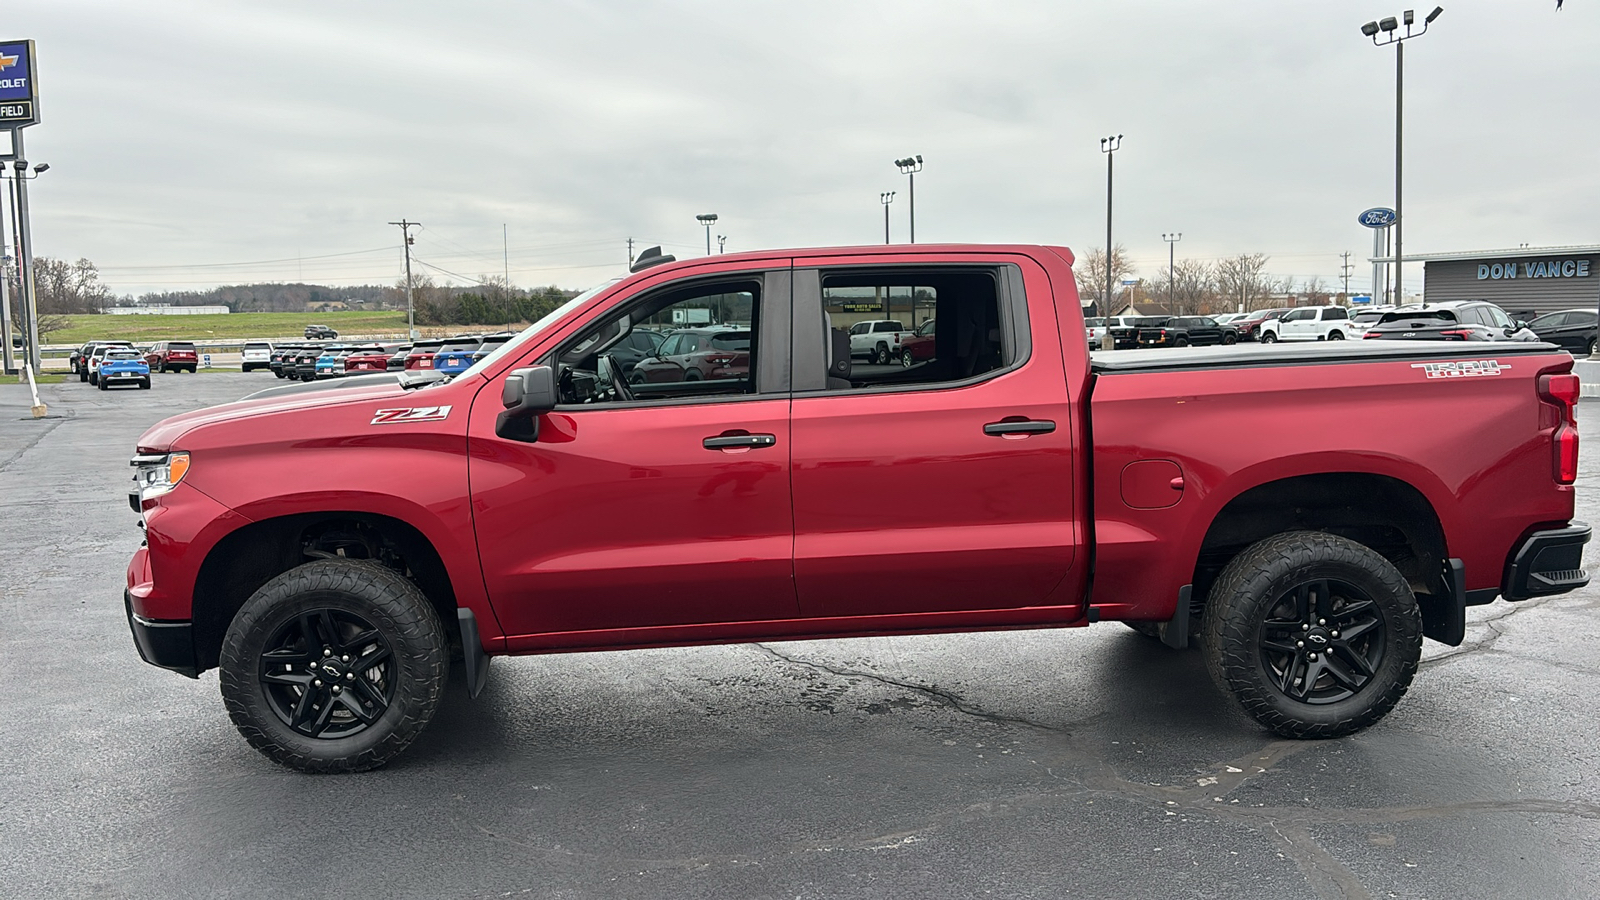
[[1309, 323], [879, 340]]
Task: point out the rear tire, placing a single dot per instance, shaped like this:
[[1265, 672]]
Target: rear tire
[[1592, 342], [1336, 335], [1269, 337], [382, 635], [880, 355], [1181, 342], [145, 384], [1286, 596]]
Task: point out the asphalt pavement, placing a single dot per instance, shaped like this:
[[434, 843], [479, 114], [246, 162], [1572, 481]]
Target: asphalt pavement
[[1056, 763]]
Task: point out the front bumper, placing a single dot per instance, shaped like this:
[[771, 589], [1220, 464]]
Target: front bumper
[[1548, 562], [169, 645]]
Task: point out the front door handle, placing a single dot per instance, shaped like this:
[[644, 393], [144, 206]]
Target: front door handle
[[739, 441], [1019, 426]]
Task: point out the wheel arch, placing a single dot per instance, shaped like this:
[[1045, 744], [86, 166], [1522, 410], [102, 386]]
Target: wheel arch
[[1387, 513], [253, 554]]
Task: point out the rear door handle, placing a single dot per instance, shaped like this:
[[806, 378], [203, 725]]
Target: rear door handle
[[736, 441], [1020, 426]]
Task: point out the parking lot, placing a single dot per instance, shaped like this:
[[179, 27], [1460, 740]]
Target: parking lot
[[1058, 763]]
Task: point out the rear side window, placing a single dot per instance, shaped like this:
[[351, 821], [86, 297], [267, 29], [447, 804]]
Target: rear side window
[[1333, 313], [731, 341], [888, 326]]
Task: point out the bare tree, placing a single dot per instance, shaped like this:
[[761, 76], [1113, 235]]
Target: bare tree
[[1091, 274], [1242, 282], [63, 287], [1315, 292], [1191, 290]]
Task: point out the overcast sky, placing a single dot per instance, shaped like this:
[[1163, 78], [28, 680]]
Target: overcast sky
[[186, 137]]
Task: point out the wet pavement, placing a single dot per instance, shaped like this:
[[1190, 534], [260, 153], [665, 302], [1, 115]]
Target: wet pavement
[[1069, 763]]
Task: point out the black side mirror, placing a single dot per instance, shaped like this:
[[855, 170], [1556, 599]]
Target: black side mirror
[[1521, 324], [527, 395]]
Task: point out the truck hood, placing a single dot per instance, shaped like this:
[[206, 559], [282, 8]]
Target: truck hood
[[161, 437]]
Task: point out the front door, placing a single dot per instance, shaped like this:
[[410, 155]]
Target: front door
[[943, 486], [654, 504]]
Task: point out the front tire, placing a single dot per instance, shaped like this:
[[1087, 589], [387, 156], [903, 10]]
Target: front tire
[[1283, 598], [334, 666], [1229, 337]]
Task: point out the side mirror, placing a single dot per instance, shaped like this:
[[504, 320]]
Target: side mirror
[[1521, 324], [526, 395]]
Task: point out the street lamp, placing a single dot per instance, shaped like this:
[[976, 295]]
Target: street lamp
[[707, 219], [1172, 246], [909, 167], [886, 198], [1109, 146], [1383, 33], [28, 301], [722, 243]]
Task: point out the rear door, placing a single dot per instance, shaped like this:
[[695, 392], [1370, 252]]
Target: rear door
[[946, 485]]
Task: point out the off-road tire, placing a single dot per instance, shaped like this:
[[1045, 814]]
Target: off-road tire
[[393, 606], [1246, 592]]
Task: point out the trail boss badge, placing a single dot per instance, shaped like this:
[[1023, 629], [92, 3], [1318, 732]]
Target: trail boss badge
[[1470, 369]]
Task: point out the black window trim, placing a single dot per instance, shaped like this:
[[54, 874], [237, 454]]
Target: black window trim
[[1010, 297], [773, 315]]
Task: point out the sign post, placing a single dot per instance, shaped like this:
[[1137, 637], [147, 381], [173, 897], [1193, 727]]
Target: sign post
[[19, 108], [1379, 219]]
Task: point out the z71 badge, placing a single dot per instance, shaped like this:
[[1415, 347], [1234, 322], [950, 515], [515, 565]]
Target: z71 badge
[[410, 414], [1468, 369]]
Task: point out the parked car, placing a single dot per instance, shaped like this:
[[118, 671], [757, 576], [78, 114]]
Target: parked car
[[1456, 320], [320, 331], [330, 362], [421, 353], [1094, 329], [397, 361], [275, 360], [1574, 330], [255, 355], [122, 365], [172, 356], [328, 552], [79, 361], [455, 355], [370, 357], [491, 342], [638, 346], [1252, 321], [304, 366], [706, 353], [1182, 331], [92, 367], [1125, 334], [1363, 318], [920, 347], [1307, 323], [877, 340]]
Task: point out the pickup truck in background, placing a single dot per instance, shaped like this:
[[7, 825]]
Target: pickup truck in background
[[1309, 323], [327, 551], [879, 341]]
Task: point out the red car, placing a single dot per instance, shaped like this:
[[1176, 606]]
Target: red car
[[370, 358], [696, 354], [422, 352], [1249, 327], [919, 347], [172, 356], [328, 550]]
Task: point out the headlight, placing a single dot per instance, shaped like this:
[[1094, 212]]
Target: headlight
[[157, 474]]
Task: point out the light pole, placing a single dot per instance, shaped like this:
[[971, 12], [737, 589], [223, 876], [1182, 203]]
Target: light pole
[[1172, 246], [909, 167], [1109, 146], [405, 243], [708, 220], [722, 243], [1383, 33], [886, 198], [28, 301]]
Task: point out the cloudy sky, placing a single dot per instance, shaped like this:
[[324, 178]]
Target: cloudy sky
[[202, 143]]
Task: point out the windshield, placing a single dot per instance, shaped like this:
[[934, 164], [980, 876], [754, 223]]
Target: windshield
[[527, 334]]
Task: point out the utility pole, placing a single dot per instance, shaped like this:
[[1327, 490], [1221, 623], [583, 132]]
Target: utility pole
[[1344, 269], [630, 253], [1109, 147], [505, 246], [411, 306], [886, 198]]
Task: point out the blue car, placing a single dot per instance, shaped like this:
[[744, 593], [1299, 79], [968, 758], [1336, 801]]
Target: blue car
[[456, 355], [331, 363], [123, 366]]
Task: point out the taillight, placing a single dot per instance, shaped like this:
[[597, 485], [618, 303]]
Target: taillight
[[1371, 334], [1464, 334], [1563, 391]]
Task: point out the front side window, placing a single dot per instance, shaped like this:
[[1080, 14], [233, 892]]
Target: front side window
[[1299, 315], [710, 350], [1498, 316]]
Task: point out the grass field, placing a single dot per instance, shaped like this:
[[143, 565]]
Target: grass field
[[145, 328], [46, 378]]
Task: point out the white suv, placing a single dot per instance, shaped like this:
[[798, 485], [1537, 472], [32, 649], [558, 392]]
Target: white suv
[[256, 355], [1309, 323], [878, 340]]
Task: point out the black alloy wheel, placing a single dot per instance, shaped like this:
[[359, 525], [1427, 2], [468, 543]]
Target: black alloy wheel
[[1315, 635], [1229, 337], [1268, 337], [334, 666]]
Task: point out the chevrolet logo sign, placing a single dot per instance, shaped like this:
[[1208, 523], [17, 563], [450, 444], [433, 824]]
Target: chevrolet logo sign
[[7, 62]]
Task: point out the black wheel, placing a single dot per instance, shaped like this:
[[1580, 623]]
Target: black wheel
[[94, 379], [1269, 337], [1589, 350], [905, 359], [880, 354], [335, 666], [83, 374], [1317, 636], [145, 384], [104, 385], [1336, 335], [1181, 342], [1229, 337]]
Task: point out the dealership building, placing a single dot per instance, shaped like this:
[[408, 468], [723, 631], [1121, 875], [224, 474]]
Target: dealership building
[[1525, 282]]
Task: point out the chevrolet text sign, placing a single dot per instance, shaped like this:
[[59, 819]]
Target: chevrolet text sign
[[18, 93]]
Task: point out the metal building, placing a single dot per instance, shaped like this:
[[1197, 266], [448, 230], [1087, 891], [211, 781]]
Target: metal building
[[1525, 282]]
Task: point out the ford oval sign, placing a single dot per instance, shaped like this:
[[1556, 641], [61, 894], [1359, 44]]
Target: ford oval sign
[[1377, 217]]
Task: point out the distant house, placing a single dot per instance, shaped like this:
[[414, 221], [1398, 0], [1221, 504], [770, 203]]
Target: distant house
[[1144, 308], [326, 305]]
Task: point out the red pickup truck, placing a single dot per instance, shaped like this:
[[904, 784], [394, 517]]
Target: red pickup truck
[[1308, 513]]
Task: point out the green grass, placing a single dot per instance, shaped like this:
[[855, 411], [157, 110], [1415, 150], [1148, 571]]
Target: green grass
[[146, 328], [43, 379]]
